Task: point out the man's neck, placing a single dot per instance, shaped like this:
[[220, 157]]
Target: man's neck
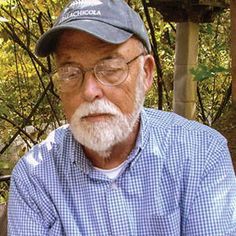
[[118, 153]]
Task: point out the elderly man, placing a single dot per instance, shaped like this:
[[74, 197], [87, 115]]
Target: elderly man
[[117, 168]]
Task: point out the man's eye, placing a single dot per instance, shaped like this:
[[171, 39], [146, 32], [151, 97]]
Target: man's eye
[[112, 69], [67, 76], [107, 72], [70, 73]]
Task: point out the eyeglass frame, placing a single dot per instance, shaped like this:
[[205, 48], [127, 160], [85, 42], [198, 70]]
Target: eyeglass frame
[[83, 71]]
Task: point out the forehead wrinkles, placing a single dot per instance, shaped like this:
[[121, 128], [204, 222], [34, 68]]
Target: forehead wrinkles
[[82, 42], [76, 46], [85, 46], [84, 56]]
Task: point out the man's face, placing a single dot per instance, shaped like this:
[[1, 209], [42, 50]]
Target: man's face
[[97, 112]]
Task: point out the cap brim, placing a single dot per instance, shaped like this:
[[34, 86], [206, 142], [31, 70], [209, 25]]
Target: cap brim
[[108, 33]]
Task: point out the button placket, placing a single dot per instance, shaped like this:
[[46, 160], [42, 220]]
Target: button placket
[[114, 185]]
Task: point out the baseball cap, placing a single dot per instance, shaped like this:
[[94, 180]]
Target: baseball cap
[[112, 21]]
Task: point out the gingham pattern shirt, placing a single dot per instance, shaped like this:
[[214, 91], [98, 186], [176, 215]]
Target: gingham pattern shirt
[[178, 180]]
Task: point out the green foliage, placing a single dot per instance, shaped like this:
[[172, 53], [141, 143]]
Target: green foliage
[[5, 168], [3, 192], [203, 72], [213, 72], [27, 97]]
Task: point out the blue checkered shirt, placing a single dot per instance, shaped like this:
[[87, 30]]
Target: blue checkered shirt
[[178, 180]]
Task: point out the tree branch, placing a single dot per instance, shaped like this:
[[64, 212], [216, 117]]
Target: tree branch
[[16, 39], [223, 103], [204, 119], [19, 128], [27, 120]]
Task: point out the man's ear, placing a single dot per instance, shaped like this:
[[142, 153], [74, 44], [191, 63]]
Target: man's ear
[[149, 65]]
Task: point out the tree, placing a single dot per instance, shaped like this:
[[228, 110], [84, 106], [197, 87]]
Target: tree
[[227, 123], [27, 95]]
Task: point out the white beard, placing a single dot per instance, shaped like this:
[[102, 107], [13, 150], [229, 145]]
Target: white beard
[[101, 136]]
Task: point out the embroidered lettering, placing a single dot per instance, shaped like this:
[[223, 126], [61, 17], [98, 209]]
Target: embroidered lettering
[[81, 13]]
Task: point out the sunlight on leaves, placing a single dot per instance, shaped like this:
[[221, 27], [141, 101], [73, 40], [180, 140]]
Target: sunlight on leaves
[[3, 19]]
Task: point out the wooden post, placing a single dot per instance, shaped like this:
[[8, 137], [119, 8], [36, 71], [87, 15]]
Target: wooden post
[[186, 54]]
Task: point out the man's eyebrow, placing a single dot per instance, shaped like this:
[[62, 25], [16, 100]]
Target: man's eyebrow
[[69, 60], [70, 63], [112, 56]]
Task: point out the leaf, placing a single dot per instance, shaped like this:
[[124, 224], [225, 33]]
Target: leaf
[[3, 2], [4, 109], [203, 72], [4, 165]]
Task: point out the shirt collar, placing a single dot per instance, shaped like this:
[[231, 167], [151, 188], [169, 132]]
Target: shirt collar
[[75, 152], [143, 135], [142, 139], [77, 156]]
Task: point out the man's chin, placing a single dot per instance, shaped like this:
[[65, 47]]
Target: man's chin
[[102, 153], [100, 146]]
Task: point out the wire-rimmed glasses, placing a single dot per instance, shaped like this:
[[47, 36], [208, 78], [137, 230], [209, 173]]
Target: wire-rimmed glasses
[[109, 72]]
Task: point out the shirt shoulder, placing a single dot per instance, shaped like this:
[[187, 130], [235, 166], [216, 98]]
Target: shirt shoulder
[[45, 153], [185, 145], [179, 126]]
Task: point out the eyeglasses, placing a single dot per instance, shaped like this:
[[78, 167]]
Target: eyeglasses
[[109, 72]]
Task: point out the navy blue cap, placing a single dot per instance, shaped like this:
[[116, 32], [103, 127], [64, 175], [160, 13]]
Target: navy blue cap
[[112, 21]]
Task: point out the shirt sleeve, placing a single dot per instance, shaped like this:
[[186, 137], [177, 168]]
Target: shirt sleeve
[[24, 218], [213, 211]]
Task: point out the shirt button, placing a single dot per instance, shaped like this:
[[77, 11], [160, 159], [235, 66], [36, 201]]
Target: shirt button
[[114, 186]]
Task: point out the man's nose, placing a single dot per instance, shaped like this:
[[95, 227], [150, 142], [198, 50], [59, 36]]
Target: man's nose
[[91, 88]]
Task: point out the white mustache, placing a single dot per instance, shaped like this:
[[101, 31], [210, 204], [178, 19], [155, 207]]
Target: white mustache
[[96, 107]]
